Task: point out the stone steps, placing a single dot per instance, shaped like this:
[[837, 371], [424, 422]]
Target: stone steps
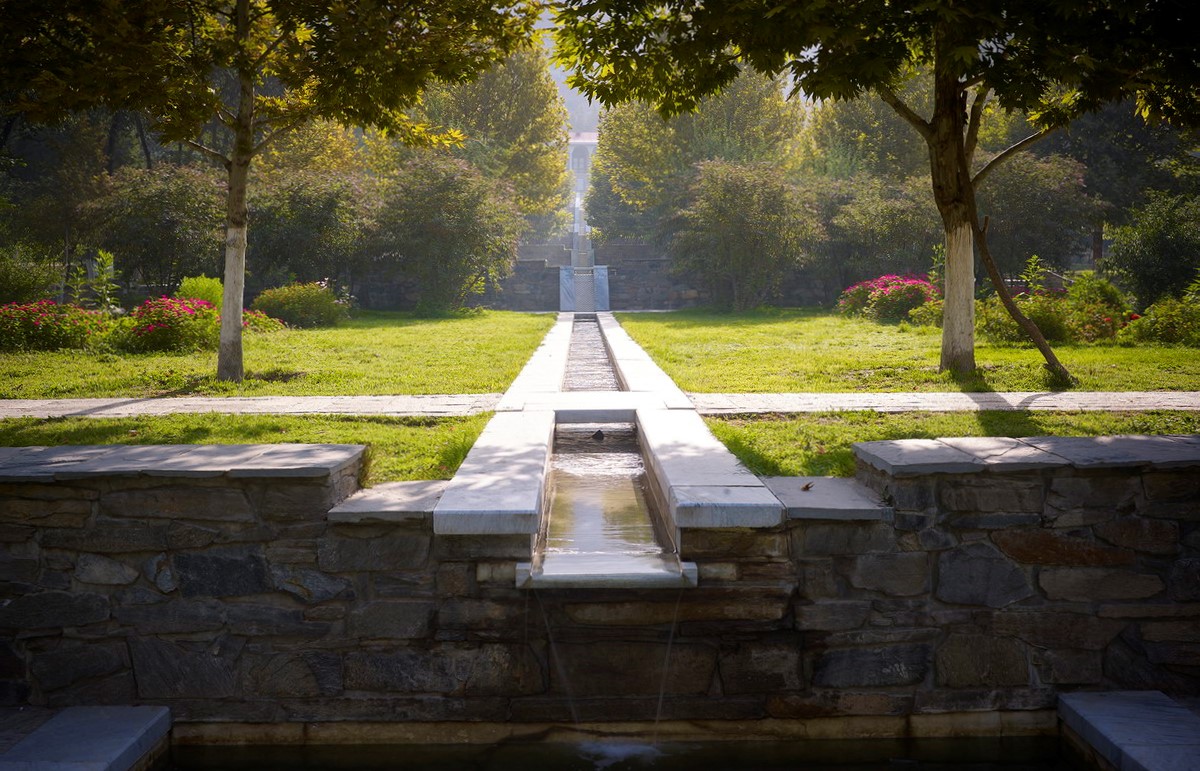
[[828, 498]]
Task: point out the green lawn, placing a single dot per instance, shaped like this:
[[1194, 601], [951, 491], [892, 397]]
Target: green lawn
[[376, 353], [819, 445], [800, 350], [400, 448]]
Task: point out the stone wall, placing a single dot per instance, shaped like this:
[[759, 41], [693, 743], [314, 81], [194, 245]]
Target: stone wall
[[232, 597]]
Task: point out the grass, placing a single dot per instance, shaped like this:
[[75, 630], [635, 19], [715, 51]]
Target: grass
[[798, 350], [819, 444], [400, 448], [376, 353]]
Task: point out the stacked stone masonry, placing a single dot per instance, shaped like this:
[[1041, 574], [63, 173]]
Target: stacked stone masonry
[[1008, 573]]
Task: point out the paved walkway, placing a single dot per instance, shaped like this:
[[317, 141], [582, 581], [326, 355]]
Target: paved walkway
[[707, 404], [1069, 401]]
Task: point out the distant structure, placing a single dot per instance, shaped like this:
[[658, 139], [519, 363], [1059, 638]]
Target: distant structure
[[583, 286], [581, 146]]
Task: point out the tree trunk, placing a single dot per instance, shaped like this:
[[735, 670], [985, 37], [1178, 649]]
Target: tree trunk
[[958, 325], [140, 125], [229, 354], [1057, 370]]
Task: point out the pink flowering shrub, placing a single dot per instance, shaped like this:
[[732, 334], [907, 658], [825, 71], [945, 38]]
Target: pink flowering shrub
[[887, 298], [257, 321], [47, 326], [170, 324]]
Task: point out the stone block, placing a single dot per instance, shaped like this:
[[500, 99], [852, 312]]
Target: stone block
[[1125, 667], [825, 539], [486, 616], [311, 586], [827, 498], [175, 617], [115, 689], [912, 457], [61, 512], [716, 604], [1172, 485], [718, 572], [16, 533], [1115, 451], [1171, 631], [974, 661], [901, 575], [732, 543], [222, 572], [496, 573], [399, 551], [1106, 494], [1069, 667], [19, 568], [286, 501], [1008, 494], [1151, 536], [818, 581], [468, 548], [837, 703], [454, 579], [992, 521], [621, 669], [258, 621], [70, 663], [762, 667], [224, 504], [98, 569], [182, 535], [108, 538], [1048, 547], [1174, 654], [1004, 455], [1184, 580], [1049, 629], [1097, 584], [872, 667], [157, 570], [831, 616], [748, 505], [54, 610], [978, 574], [291, 675], [166, 670], [391, 619], [472, 670]]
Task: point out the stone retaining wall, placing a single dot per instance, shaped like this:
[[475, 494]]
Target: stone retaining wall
[[229, 595]]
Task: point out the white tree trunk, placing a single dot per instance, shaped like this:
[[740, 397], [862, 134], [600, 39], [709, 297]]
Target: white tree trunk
[[958, 325], [229, 355]]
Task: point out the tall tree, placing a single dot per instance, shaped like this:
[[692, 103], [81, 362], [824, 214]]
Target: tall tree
[[1053, 58], [255, 70], [514, 126]]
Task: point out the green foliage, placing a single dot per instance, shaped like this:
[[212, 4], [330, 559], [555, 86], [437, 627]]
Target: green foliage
[[169, 324], [1158, 253], [98, 291], [996, 325], [928, 314], [47, 326], [202, 288], [448, 228], [302, 305], [513, 121], [23, 277], [646, 164], [309, 225], [743, 230], [1088, 289], [888, 225], [1168, 321], [162, 223], [1036, 205], [887, 298], [260, 323]]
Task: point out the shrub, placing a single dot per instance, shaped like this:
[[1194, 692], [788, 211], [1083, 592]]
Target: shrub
[[1166, 321], [170, 324], [202, 288], [1048, 312], [24, 279], [1090, 289], [1158, 254], [927, 315], [301, 305], [259, 322], [888, 298], [47, 326]]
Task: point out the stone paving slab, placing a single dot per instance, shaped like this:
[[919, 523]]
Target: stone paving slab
[[910, 457], [546, 369], [722, 506], [1067, 401], [831, 498], [449, 405], [390, 502], [606, 571], [42, 464], [1135, 730], [500, 485], [1010, 454], [91, 739], [1121, 451]]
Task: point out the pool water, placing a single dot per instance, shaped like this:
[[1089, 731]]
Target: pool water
[[1037, 754]]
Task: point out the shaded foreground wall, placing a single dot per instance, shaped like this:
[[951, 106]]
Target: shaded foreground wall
[[232, 597]]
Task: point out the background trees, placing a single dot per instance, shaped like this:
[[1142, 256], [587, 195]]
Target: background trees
[[253, 68]]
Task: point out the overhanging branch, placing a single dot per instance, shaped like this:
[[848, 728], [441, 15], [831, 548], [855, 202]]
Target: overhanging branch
[[976, 118], [1008, 151], [905, 112], [208, 152]]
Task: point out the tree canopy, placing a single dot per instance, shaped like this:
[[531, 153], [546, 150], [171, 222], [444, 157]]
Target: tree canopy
[[1053, 59], [257, 69]]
